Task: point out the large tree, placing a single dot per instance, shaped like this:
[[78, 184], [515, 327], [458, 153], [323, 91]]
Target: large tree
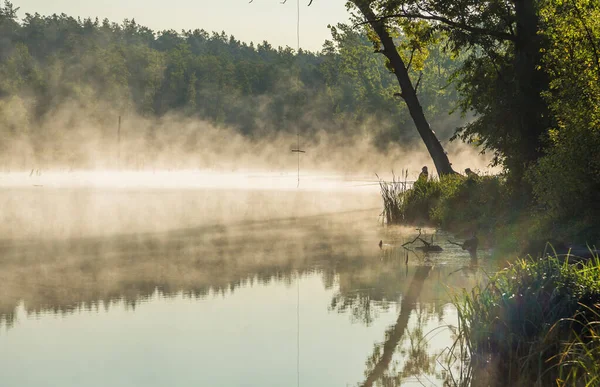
[[409, 91], [386, 46], [501, 81]]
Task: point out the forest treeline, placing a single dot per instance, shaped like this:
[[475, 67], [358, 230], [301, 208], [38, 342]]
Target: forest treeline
[[49, 64]]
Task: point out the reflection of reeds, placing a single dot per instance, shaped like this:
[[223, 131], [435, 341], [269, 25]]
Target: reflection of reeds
[[392, 193]]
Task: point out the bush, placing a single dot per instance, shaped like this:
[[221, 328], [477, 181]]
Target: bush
[[463, 205]]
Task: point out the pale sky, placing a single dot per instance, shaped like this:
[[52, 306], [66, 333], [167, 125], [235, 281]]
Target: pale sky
[[262, 20]]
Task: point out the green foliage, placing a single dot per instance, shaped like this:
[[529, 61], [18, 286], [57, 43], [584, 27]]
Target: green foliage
[[419, 202], [530, 74], [580, 357], [464, 205], [566, 179], [525, 315], [369, 87], [500, 82]]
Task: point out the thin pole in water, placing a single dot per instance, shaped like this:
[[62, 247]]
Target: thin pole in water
[[298, 285], [298, 330], [298, 150], [119, 144]]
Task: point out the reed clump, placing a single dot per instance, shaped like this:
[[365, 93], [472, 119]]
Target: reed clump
[[392, 193]]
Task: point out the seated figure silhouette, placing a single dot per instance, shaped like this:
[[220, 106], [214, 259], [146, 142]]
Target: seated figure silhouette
[[424, 175], [470, 173]]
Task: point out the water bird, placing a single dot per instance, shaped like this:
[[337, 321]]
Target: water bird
[[471, 244], [381, 244]]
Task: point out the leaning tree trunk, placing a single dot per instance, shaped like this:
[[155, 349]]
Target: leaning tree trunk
[[409, 94]]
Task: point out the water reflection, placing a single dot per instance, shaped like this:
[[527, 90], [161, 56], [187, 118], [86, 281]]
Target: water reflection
[[364, 282]]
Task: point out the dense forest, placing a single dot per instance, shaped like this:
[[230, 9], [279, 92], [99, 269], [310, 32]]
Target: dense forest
[[61, 76]]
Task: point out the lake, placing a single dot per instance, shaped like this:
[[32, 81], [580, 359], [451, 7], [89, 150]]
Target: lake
[[203, 279]]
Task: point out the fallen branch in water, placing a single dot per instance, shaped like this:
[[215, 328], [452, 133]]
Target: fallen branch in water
[[455, 243], [427, 246], [414, 240]]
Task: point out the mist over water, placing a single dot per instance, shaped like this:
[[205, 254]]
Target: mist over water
[[143, 245], [189, 240], [87, 136], [109, 269], [197, 246]]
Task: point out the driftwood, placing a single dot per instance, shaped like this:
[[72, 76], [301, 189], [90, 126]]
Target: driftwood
[[428, 247]]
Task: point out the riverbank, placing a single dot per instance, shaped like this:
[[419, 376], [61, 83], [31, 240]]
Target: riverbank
[[535, 323], [504, 219]]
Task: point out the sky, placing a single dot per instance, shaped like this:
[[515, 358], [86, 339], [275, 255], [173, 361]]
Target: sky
[[257, 21]]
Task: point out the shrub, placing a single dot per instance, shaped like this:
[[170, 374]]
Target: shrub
[[464, 205]]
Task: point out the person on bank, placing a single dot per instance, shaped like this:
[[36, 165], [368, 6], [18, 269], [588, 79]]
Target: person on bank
[[424, 175]]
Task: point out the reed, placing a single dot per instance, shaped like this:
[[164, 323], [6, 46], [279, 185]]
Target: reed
[[392, 193]]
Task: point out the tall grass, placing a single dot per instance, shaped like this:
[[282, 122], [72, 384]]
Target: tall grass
[[579, 359], [534, 324], [392, 193]]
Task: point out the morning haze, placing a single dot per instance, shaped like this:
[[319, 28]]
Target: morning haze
[[179, 206]]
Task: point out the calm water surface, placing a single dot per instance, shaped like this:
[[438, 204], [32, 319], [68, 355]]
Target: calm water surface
[[254, 283]]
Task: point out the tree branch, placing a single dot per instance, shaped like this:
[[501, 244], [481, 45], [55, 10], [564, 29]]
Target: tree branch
[[418, 81], [414, 240], [412, 54], [285, 1], [590, 37], [449, 22]]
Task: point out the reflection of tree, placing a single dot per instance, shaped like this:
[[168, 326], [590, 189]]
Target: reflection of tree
[[359, 304], [380, 362], [412, 345], [418, 359], [7, 319], [64, 276], [367, 287]]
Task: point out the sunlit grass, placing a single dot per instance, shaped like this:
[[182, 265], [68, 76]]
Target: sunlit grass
[[534, 323]]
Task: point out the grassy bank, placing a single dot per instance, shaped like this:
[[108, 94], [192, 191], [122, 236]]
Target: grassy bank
[[499, 214], [536, 323]]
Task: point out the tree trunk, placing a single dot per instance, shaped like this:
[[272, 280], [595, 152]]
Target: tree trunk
[[530, 82], [409, 94]]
